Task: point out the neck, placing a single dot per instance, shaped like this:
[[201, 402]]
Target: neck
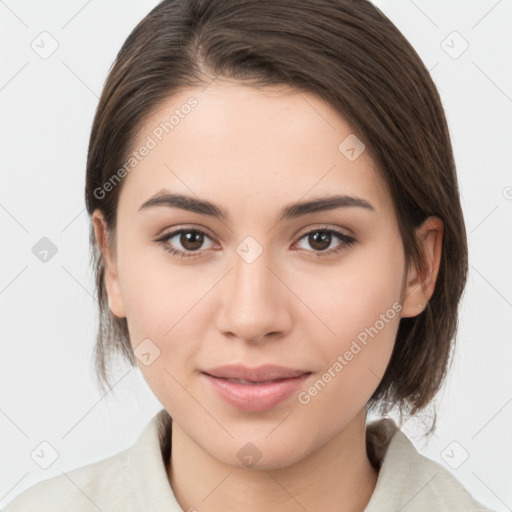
[[337, 476]]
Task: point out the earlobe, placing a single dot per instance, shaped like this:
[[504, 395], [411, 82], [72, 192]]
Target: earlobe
[[420, 283], [113, 289]]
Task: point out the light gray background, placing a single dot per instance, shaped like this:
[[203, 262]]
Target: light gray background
[[48, 315]]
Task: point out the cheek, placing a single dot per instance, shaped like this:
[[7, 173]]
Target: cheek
[[355, 359], [162, 303], [359, 304], [159, 302], [158, 294], [353, 295]]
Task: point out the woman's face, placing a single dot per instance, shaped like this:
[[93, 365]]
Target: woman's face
[[258, 287]]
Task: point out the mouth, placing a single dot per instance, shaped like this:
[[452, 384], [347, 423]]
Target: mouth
[[260, 374], [254, 395], [249, 382]]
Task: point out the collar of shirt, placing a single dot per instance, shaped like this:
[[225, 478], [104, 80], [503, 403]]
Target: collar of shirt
[[407, 481], [135, 479]]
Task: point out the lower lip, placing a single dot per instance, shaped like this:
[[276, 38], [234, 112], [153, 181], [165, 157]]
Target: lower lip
[[256, 397]]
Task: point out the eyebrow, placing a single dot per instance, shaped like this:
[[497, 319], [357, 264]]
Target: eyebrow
[[203, 207]]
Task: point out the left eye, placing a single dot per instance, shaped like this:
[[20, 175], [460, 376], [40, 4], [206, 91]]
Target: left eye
[[192, 239], [322, 238]]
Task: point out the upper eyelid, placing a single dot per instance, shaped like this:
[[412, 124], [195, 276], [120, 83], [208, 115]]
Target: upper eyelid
[[174, 231]]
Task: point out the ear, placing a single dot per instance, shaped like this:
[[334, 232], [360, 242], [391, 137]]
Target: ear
[[420, 283], [115, 300]]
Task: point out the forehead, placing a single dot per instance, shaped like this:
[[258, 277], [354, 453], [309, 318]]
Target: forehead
[[251, 147]]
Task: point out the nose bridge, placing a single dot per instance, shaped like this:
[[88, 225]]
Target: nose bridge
[[252, 261], [251, 274], [253, 302]]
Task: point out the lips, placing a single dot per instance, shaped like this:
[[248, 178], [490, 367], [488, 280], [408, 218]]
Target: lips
[[255, 389], [243, 381], [261, 374]]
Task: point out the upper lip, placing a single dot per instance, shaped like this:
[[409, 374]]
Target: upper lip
[[258, 374]]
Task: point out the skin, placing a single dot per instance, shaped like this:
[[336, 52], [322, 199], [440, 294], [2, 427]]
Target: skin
[[253, 151]]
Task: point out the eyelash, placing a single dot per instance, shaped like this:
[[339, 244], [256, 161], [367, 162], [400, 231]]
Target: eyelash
[[347, 242]]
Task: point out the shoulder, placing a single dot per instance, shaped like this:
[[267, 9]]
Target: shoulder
[[410, 481], [431, 484], [131, 480], [97, 486]]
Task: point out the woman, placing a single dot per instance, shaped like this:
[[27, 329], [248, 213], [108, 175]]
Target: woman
[[279, 246]]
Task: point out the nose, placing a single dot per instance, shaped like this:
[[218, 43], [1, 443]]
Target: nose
[[254, 301]]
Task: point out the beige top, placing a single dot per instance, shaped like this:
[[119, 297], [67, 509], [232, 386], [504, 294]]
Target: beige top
[[135, 479]]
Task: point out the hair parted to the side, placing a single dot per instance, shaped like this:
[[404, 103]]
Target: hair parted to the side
[[351, 55]]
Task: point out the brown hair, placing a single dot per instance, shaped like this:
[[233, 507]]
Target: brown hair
[[351, 55]]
